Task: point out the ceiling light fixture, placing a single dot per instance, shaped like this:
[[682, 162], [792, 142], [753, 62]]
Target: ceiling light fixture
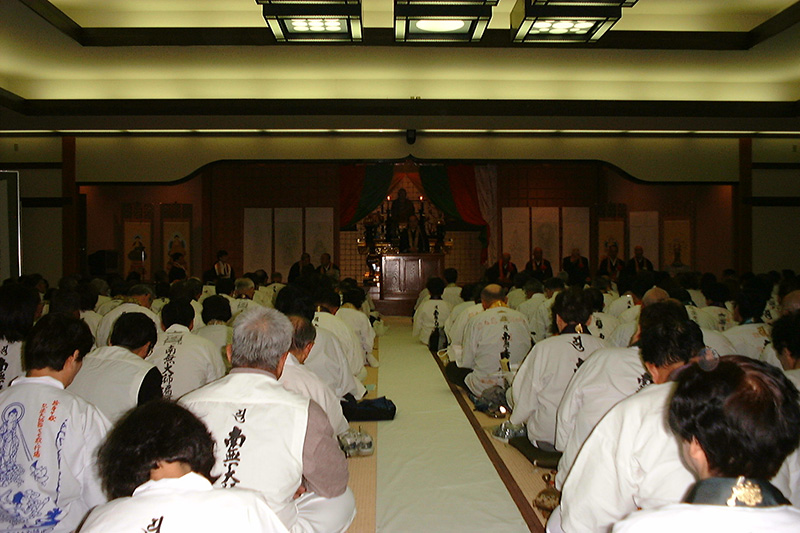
[[442, 22], [303, 21], [535, 23]]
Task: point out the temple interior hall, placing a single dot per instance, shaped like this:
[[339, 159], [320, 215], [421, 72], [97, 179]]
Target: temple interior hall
[[208, 125]]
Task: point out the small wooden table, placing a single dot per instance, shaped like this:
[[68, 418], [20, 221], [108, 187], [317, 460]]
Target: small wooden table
[[403, 276]]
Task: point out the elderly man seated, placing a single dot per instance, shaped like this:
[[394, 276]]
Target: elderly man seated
[[270, 439]]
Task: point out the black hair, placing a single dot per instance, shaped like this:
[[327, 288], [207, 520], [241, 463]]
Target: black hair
[[327, 297], [303, 332], [681, 294], [751, 304], [716, 293], [573, 305], [18, 305], [643, 282], [552, 284], [670, 341], [744, 414], [660, 312], [450, 275], [225, 285], [786, 334], [435, 286], [88, 296], [293, 300], [221, 254], [216, 307], [354, 296], [53, 339], [467, 291], [159, 430], [65, 301], [180, 290], [177, 312], [133, 330], [596, 298]]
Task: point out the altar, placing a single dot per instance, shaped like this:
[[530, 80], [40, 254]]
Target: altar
[[402, 277]]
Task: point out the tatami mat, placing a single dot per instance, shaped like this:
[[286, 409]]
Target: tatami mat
[[363, 470], [432, 473]]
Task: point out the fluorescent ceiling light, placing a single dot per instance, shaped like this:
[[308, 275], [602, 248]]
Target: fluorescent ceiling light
[[534, 23], [440, 23], [323, 22]]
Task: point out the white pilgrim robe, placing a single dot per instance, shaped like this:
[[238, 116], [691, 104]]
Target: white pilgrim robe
[[794, 377], [630, 315], [621, 337], [328, 362], [107, 324], [304, 382], [749, 339], [260, 431], [542, 379], [360, 324], [717, 342], [185, 360], [108, 305], [772, 311], [632, 460], [602, 325], [10, 362], [454, 312], [239, 306], [515, 297], [351, 344], [101, 299], [198, 315], [701, 318], [701, 518], [487, 335], [425, 321], [455, 333], [158, 304], [609, 376], [723, 318], [540, 326], [220, 335], [452, 295], [48, 440], [529, 307], [186, 504], [110, 379], [92, 320], [620, 305]]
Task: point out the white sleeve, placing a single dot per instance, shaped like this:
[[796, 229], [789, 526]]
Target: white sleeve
[[597, 492], [523, 390], [568, 409], [468, 354], [95, 430]]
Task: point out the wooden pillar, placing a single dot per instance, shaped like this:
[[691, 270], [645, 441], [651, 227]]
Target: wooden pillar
[[743, 219], [70, 263]]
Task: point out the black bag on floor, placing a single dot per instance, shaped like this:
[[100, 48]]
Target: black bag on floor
[[370, 409], [438, 340]]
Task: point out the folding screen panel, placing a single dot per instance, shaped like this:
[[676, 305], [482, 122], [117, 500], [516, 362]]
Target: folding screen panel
[[644, 232], [546, 233], [516, 235], [257, 246], [575, 231], [319, 232], [288, 238]]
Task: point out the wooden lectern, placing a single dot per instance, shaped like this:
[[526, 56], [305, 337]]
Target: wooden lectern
[[403, 276]]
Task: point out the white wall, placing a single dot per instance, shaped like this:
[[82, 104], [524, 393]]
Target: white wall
[[152, 158], [41, 226]]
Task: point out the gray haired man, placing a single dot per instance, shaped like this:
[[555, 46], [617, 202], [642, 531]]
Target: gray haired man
[[270, 439]]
